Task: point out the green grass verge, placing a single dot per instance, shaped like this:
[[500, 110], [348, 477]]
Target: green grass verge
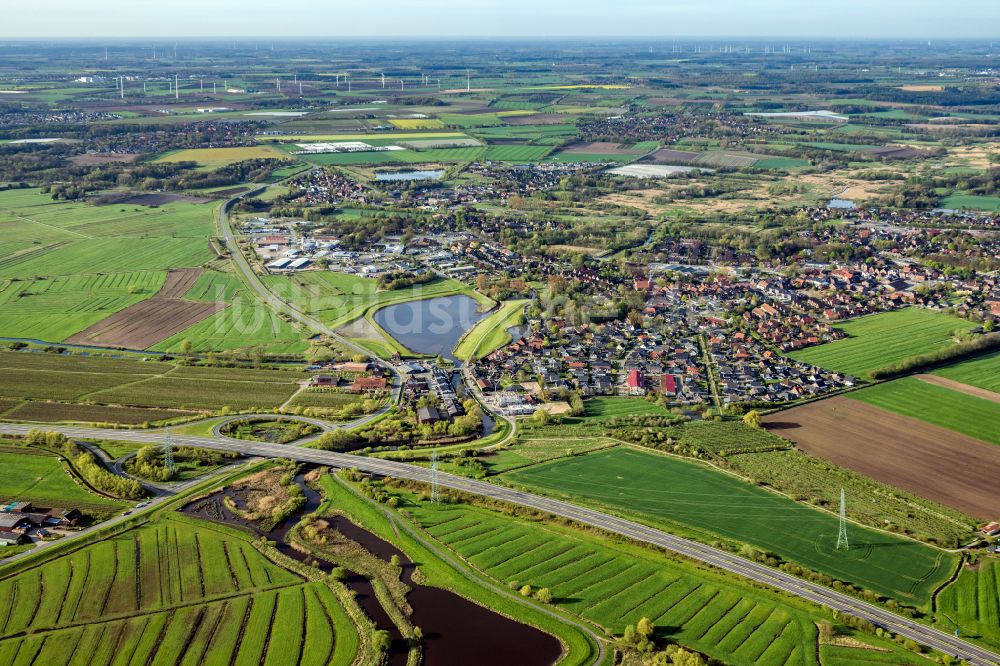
[[490, 333]]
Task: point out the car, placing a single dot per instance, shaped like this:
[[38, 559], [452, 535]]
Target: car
[[127, 513]]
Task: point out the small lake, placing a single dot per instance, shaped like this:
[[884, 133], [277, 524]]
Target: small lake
[[840, 203], [434, 174], [432, 326]]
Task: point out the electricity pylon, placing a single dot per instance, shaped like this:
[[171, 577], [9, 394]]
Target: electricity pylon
[[842, 533]]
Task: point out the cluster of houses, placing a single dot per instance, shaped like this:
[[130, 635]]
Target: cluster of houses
[[323, 187], [350, 377], [423, 380], [614, 358], [19, 521]]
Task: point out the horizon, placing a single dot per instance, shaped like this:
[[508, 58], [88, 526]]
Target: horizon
[[513, 19]]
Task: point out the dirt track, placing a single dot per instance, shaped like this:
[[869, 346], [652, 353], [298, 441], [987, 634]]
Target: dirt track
[[149, 322], [929, 461], [974, 391]]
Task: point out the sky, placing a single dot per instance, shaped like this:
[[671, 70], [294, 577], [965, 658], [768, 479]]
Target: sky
[[920, 19]]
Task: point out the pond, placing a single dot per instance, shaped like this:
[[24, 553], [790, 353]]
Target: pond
[[389, 176], [432, 326], [840, 203]]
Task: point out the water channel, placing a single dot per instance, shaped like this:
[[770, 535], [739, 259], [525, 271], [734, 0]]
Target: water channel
[[456, 632]]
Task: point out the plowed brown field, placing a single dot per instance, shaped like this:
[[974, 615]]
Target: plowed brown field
[[149, 322], [932, 462]]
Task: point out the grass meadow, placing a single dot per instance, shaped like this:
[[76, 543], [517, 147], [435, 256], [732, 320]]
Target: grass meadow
[[33, 475], [973, 601]]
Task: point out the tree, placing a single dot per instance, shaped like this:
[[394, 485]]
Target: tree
[[381, 640], [544, 595], [645, 627], [826, 631], [752, 418], [525, 591], [185, 346]]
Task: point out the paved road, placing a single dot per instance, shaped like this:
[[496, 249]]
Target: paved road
[[724, 560]]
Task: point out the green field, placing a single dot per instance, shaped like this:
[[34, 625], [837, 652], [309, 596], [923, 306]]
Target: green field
[[42, 237], [55, 308], [879, 340], [610, 407], [982, 371], [68, 265], [490, 333], [171, 592], [971, 202], [245, 325], [214, 158], [943, 407], [531, 451], [780, 163], [673, 492], [33, 475], [149, 384], [614, 584]]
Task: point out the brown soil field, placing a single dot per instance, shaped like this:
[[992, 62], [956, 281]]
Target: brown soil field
[[667, 156], [149, 322], [51, 412], [178, 283], [536, 119], [924, 459], [666, 101], [974, 391], [362, 329], [97, 159], [898, 152], [600, 148]]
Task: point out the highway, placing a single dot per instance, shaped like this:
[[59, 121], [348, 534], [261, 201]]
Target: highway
[[754, 571]]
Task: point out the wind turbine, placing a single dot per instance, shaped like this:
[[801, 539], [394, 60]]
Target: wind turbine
[[177, 90], [468, 80]]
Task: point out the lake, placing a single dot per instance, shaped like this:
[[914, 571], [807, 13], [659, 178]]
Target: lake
[[840, 203], [435, 174], [432, 326]]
